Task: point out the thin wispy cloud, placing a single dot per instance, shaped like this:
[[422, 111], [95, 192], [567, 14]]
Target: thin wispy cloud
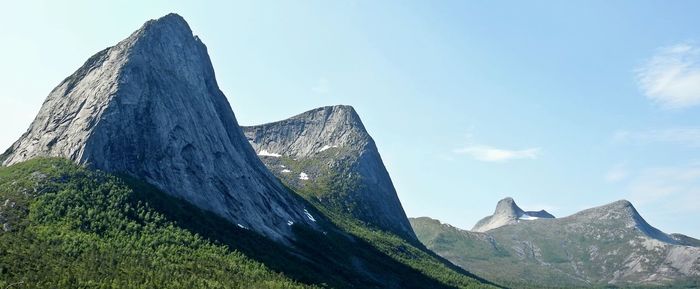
[[491, 154], [673, 185], [322, 86], [616, 174], [686, 136], [671, 78]]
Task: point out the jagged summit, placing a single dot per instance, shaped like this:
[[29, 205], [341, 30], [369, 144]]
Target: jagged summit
[[507, 212], [329, 147], [150, 107], [172, 22]]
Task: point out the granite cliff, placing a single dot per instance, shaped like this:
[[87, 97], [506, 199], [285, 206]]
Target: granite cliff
[[327, 153], [150, 107]]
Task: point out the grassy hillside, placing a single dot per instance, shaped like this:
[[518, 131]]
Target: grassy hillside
[[70, 227], [543, 255]]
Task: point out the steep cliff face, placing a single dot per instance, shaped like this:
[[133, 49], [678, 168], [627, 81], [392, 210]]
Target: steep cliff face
[[150, 107], [327, 154], [507, 212], [610, 244]]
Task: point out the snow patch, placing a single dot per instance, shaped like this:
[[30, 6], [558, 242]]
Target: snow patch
[[289, 223], [308, 215], [527, 217], [242, 227], [285, 171], [265, 153], [303, 176], [325, 147]]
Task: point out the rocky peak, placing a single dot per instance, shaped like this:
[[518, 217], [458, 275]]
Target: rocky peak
[[312, 132], [150, 107], [624, 213], [329, 146], [621, 209], [507, 212], [508, 207]]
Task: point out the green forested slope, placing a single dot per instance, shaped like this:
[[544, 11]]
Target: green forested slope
[[71, 227]]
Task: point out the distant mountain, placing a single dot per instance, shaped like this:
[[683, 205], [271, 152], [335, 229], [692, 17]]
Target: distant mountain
[[327, 154], [150, 107], [611, 244], [507, 212]]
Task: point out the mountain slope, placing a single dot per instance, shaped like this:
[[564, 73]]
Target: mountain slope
[[327, 156], [329, 145], [507, 212], [611, 244], [150, 107], [68, 227], [161, 189]]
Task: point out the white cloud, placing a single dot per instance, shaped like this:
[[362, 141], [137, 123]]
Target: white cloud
[[492, 154], [323, 86], [671, 78], [688, 136], [668, 186]]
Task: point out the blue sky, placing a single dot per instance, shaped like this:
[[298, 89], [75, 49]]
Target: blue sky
[[562, 105]]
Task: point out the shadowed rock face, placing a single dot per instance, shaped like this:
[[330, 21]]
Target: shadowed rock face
[[150, 107], [507, 212], [329, 149]]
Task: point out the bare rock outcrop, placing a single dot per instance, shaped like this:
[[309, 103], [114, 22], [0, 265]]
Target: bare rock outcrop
[[150, 107], [507, 212], [328, 152]]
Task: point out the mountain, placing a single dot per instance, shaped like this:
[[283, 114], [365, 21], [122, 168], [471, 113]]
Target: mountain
[[507, 212], [327, 154], [150, 107], [69, 226], [135, 174], [65, 226], [606, 245]]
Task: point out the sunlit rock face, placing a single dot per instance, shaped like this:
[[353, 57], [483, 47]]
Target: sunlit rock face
[[150, 107], [327, 153]]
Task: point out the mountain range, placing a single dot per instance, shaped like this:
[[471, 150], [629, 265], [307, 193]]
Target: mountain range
[[601, 246], [136, 174]]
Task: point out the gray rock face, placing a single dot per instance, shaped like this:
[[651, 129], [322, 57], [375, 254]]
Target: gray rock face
[[150, 107], [328, 154], [610, 244], [507, 213]]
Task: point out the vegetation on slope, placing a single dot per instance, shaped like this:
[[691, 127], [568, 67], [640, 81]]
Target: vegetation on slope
[[328, 192], [70, 227], [536, 256]]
